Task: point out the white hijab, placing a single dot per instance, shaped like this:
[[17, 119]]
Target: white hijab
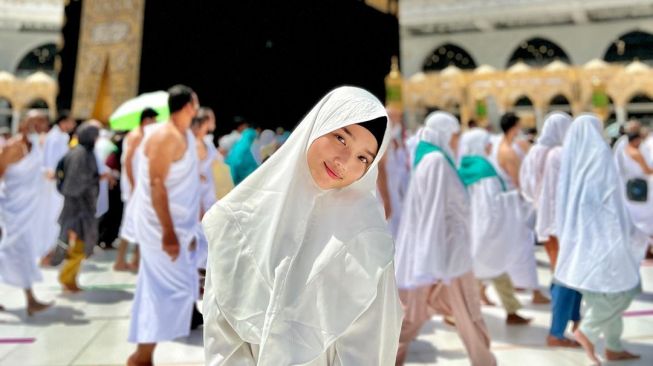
[[553, 133], [293, 266], [474, 143], [600, 248], [433, 243], [438, 128]]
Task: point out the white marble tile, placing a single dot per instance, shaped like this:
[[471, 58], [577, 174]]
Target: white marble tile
[[91, 328], [59, 344]]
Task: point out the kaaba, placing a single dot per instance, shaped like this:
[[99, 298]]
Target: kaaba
[[269, 62]]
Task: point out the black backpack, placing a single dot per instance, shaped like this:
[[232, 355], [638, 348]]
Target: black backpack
[[637, 190]]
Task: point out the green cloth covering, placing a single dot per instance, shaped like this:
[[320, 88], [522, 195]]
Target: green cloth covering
[[473, 168], [424, 148]]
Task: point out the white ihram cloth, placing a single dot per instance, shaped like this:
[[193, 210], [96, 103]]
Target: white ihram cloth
[[523, 270], [54, 149], [21, 209], [493, 244], [539, 173], [207, 199], [398, 175], [165, 291], [127, 226], [434, 242], [297, 275], [600, 248], [411, 146], [545, 223], [647, 149], [532, 168], [640, 212]]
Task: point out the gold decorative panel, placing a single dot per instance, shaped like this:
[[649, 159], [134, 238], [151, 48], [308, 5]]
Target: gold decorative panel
[[108, 58]]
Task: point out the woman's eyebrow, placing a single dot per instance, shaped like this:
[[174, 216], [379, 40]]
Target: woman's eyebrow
[[349, 133]]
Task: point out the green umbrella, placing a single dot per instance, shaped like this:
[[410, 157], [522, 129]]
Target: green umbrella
[[128, 115]]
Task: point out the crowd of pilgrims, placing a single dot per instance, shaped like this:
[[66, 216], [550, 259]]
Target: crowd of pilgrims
[[464, 209]]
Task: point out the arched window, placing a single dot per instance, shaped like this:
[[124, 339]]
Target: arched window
[[38, 103], [631, 46], [640, 107], [6, 112], [448, 54], [524, 109], [560, 103], [537, 52], [40, 58]]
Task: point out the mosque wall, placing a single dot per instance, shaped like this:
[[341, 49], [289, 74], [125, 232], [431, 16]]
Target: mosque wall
[[581, 42]]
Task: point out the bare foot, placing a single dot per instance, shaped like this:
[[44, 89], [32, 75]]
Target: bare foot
[[552, 341], [540, 299], [515, 319], [619, 356], [133, 267], [46, 261], [450, 320], [484, 299], [35, 307], [71, 288], [587, 346], [121, 266], [132, 361]]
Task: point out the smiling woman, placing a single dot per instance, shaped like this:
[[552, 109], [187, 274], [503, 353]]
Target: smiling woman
[[300, 268], [339, 158]]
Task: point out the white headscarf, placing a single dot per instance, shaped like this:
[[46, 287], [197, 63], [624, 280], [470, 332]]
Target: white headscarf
[[555, 127], [475, 142], [293, 266], [433, 243], [600, 248], [438, 128], [228, 141]]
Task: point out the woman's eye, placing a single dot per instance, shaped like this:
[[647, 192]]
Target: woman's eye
[[363, 159], [340, 138]]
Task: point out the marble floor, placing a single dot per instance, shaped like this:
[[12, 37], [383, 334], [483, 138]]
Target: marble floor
[[90, 328]]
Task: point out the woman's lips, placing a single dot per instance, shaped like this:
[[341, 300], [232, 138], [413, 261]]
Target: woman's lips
[[331, 173]]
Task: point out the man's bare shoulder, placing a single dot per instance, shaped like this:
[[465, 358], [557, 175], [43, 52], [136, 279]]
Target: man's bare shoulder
[[15, 143], [507, 152], [166, 139]]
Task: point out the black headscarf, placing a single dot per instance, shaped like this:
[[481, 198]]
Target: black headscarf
[[87, 133]]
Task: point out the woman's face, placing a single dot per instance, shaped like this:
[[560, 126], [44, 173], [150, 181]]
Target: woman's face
[[453, 142], [341, 157]]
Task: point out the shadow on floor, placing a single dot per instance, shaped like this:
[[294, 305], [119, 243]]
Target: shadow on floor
[[99, 295], [54, 315]]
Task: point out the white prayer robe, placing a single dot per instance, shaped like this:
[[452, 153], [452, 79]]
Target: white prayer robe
[[491, 229], [298, 275], [207, 199], [398, 176], [103, 195], [127, 226], [166, 291], [546, 213], [54, 149], [532, 168], [640, 212], [523, 271], [21, 207], [434, 243], [600, 248]]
